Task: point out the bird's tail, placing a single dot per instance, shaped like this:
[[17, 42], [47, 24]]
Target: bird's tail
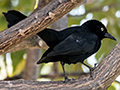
[[13, 17], [48, 35]]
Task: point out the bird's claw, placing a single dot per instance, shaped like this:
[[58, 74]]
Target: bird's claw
[[91, 70], [67, 80], [95, 65]]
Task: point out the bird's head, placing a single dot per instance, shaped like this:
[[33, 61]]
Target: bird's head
[[99, 29]]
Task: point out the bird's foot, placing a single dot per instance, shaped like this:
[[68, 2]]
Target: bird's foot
[[95, 65], [91, 70], [67, 80]]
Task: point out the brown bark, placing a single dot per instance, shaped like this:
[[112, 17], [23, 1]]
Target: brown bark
[[31, 68], [103, 75], [33, 42], [35, 23], [41, 4], [60, 24]]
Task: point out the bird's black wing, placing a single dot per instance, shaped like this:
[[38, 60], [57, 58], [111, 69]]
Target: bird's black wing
[[50, 36], [53, 37], [73, 45]]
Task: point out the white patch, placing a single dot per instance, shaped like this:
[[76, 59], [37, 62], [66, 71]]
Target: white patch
[[21, 32], [51, 14], [102, 29], [77, 41], [9, 83], [40, 43], [36, 16], [73, 1], [60, 1]]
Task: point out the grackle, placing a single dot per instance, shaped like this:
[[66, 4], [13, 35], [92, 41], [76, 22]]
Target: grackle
[[71, 45], [75, 44]]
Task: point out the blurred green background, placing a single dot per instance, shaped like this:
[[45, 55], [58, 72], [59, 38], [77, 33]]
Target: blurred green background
[[106, 11]]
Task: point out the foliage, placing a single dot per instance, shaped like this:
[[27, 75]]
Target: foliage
[[16, 58], [26, 7], [101, 9]]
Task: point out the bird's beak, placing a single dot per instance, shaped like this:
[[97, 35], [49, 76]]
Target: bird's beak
[[107, 35]]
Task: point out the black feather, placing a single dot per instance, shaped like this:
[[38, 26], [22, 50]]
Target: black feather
[[71, 45]]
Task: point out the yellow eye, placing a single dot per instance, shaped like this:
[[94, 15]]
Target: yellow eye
[[102, 29]]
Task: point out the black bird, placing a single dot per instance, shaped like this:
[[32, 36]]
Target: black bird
[[71, 45], [75, 47]]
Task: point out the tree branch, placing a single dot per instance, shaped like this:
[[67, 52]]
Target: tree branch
[[35, 23], [34, 41], [31, 70], [103, 76], [41, 4]]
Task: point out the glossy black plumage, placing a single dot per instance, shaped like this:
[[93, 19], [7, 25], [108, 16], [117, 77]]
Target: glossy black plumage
[[13, 17], [74, 44], [80, 42]]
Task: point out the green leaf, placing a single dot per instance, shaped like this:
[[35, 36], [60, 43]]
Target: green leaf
[[74, 20], [19, 67], [16, 58], [111, 88]]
